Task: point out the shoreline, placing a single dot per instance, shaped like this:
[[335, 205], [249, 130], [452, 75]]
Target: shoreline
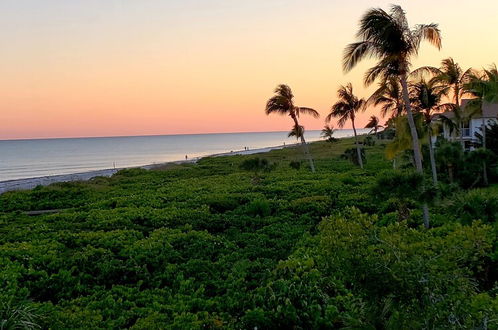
[[30, 183]]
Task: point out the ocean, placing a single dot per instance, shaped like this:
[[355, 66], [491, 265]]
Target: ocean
[[20, 159]]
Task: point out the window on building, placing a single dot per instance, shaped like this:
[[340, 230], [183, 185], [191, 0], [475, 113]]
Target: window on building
[[466, 129]]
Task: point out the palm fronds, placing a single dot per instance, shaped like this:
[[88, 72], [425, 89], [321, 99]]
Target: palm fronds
[[387, 37], [346, 107]]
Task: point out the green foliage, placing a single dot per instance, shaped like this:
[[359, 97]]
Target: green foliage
[[474, 205], [465, 169], [399, 184], [387, 134], [295, 165], [352, 155], [408, 278], [201, 246], [259, 208], [472, 167], [18, 317], [369, 141], [491, 137], [257, 165]]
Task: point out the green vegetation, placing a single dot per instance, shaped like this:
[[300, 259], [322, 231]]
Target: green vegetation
[[260, 243], [206, 245], [282, 103], [346, 108]]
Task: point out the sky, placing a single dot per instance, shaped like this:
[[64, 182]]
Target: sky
[[78, 68]]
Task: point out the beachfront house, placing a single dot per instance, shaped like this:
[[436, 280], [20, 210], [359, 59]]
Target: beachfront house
[[472, 125]]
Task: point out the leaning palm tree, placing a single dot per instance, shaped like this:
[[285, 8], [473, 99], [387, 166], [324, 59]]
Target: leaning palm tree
[[449, 80], [388, 37], [389, 97], [374, 124], [328, 133], [282, 103], [345, 109]]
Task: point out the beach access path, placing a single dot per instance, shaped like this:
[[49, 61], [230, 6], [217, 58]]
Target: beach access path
[[30, 183]]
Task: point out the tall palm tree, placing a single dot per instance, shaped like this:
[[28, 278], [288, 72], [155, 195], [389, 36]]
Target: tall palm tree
[[402, 139], [374, 124], [483, 86], [389, 97], [345, 109], [426, 99], [328, 133], [388, 37], [449, 80], [282, 103]]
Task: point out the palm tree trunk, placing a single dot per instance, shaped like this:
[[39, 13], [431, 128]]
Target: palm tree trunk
[[305, 146], [433, 159], [485, 171], [483, 133], [308, 154], [456, 90], [358, 151], [413, 129], [415, 143]]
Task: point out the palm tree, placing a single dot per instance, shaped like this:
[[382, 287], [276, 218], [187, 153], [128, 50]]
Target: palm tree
[[449, 81], [282, 103], [484, 88], [374, 124], [389, 96], [297, 131], [388, 37], [345, 109], [426, 98], [328, 133], [402, 139]]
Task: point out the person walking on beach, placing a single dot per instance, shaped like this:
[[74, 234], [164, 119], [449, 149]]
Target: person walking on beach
[[186, 157]]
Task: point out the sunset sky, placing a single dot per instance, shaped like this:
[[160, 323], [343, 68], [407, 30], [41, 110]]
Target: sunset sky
[[139, 67]]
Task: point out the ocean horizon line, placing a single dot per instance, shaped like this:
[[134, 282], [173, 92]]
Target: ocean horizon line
[[153, 135], [28, 158]]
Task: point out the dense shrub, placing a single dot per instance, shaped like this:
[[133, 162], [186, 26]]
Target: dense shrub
[[351, 154], [369, 141], [259, 207], [295, 165], [203, 246], [473, 205], [315, 205], [409, 278], [257, 165]]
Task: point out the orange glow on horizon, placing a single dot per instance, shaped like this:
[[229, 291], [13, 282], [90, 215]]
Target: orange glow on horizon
[[135, 68]]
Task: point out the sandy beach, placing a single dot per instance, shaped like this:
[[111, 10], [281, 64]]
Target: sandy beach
[[30, 183]]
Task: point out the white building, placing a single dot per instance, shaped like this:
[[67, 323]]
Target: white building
[[473, 125]]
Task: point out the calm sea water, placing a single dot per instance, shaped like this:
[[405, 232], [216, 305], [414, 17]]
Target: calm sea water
[[42, 157]]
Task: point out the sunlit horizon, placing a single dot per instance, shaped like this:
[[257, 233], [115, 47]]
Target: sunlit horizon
[[129, 68]]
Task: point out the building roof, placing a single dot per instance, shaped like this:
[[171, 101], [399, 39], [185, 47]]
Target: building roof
[[489, 110]]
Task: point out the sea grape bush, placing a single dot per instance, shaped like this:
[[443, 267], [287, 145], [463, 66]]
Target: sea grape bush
[[202, 246]]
